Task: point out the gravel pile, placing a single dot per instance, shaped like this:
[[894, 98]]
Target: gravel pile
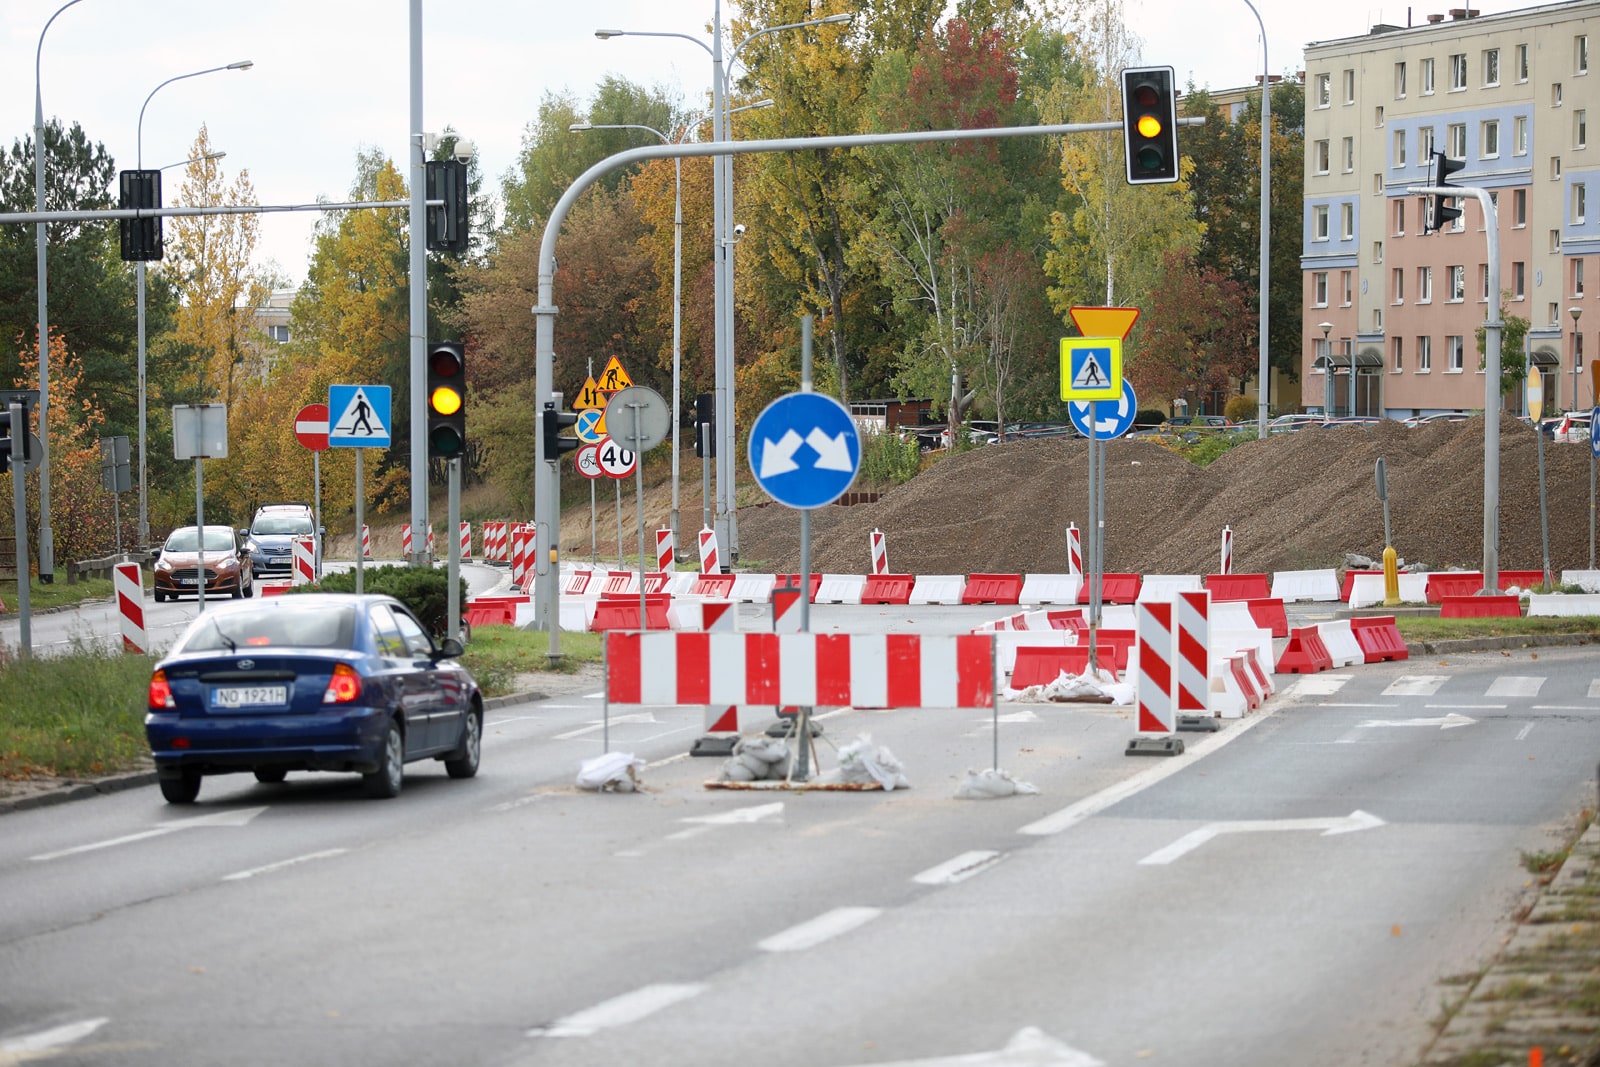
[[1295, 501]]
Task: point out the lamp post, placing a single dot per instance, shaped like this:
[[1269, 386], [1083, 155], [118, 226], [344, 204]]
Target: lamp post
[[47, 549], [1327, 370], [1577, 354], [139, 272], [677, 277], [1266, 220], [723, 238]]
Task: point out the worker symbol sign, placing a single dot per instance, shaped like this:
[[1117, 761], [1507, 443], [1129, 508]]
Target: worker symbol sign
[[1091, 368]]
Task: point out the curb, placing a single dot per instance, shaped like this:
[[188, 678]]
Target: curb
[[1496, 644]]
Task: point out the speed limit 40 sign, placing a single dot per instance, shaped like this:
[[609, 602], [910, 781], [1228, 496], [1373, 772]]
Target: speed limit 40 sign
[[616, 461], [587, 458]]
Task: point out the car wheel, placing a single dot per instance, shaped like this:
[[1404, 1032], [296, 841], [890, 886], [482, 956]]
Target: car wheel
[[384, 783], [159, 595], [271, 775], [181, 789], [463, 762]]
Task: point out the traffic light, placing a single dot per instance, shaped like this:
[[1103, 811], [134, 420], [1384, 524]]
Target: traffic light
[[705, 423], [14, 436], [141, 237], [447, 400], [446, 179], [553, 422], [1443, 212], [1150, 125]]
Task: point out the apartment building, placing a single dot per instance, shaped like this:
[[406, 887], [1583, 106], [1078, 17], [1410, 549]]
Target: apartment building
[[1390, 312]]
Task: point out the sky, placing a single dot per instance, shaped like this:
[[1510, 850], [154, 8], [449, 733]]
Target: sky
[[331, 78]]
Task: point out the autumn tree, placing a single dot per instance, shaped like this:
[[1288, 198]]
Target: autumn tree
[[1197, 331]]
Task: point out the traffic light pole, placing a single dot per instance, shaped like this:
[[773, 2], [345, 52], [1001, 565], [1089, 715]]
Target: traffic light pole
[[453, 535], [19, 515]]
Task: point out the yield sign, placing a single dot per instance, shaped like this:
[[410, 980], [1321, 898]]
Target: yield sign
[[1105, 322]]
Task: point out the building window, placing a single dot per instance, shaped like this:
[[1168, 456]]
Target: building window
[[1577, 276], [1319, 222], [1424, 355], [1580, 57], [1425, 146], [1399, 217], [1456, 140], [1347, 285], [1458, 284], [1457, 350], [1459, 223], [1377, 320], [1377, 116], [1555, 314], [1580, 202], [1427, 77], [1399, 149], [1397, 353], [1399, 276], [1519, 207], [1319, 288], [1399, 81], [1522, 62], [1555, 94], [1555, 240], [1377, 185], [1519, 281], [1347, 221], [1424, 285], [1458, 71], [279, 334], [1489, 140], [1491, 66], [1377, 251], [1324, 93], [1349, 86], [1519, 135], [1555, 168], [1483, 283], [1347, 152], [1580, 128], [1319, 156]]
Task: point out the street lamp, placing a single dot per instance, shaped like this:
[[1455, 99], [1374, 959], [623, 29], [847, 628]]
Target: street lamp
[[47, 548], [1577, 353], [1266, 219], [1327, 369], [139, 273], [677, 276], [722, 203]]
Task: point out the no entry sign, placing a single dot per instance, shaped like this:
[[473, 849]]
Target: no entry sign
[[311, 427]]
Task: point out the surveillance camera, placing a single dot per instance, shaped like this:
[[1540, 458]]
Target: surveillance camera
[[738, 229], [464, 150]]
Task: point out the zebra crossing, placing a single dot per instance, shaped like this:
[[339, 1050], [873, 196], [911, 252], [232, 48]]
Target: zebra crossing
[[1330, 689]]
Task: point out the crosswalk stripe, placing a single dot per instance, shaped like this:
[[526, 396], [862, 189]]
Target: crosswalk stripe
[[1594, 689], [1514, 685], [1415, 685]]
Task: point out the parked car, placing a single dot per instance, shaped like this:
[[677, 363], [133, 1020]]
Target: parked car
[[310, 682], [1572, 428], [224, 561], [271, 533], [1437, 416], [1293, 422]]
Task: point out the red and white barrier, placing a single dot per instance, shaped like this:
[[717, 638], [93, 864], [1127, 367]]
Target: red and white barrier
[[1292, 586], [811, 670], [302, 566], [522, 561], [1164, 588], [1050, 588], [786, 611], [1156, 703], [1074, 551], [710, 562], [129, 585], [405, 539], [1227, 552], [938, 589], [880, 553], [841, 589], [466, 540], [430, 541], [666, 551], [753, 588], [366, 541], [1193, 652]]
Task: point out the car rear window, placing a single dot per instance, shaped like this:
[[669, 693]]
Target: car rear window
[[277, 626]]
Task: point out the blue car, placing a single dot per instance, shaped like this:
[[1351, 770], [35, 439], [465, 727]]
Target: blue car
[[310, 682]]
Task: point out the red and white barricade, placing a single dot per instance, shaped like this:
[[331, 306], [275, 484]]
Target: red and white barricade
[[523, 546], [302, 565], [1156, 700], [466, 540], [405, 539], [1074, 551], [1227, 551], [366, 541], [431, 554], [129, 585], [666, 551], [1194, 652], [710, 561], [880, 553]]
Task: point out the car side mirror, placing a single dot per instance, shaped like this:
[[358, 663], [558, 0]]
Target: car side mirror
[[450, 648], [244, 531]]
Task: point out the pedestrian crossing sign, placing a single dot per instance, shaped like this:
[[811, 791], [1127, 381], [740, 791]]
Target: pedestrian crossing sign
[[1091, 368], [358, 416]]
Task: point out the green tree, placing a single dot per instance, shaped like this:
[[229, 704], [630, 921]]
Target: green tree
[[1513, 336]]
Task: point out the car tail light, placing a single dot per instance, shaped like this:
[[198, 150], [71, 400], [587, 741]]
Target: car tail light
[[160, 691], [344, 686]]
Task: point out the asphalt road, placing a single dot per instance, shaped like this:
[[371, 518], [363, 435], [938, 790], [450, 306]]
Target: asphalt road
[[1292, 890]]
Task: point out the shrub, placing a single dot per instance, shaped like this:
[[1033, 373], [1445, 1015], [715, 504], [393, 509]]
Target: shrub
[[887, 460], [1240, 408], [1148, 417], [422, 589]]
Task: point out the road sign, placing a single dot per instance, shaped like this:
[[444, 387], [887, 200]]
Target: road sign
[[1594, 432], [805, 450], [589, 397], [653, 415], [1110, 419], [587, 458], [591, 426], [311, 426], [363, 416], [615, 461], [614, 379], [1535, 394], [1091, 368]]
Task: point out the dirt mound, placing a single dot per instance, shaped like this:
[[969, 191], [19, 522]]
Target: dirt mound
[[1294, 501]]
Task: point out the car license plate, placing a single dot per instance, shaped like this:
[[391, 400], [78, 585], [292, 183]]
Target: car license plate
[[244, 696], [188, 581], [279, 559]]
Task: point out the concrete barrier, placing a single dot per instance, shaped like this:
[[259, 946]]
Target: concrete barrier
[[753, 588], [1340, 641], [1164, 588], [1367, 589], [841, 589], [938, 589], [1588, 581], [1294, 586], [1050, 589], [1563, 604]]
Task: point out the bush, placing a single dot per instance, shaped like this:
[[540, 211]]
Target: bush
[[1240, 408], [422, 589], [1148, 417], [887, 460]]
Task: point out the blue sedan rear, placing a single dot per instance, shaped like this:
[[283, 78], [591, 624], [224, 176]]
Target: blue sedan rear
[[312, 682]]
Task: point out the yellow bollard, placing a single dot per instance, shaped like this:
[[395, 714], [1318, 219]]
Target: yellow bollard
[[1391, 577]]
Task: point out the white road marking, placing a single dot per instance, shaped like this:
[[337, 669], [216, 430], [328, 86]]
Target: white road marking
[[726, 818], [1075, 813], [1525, 731], [1330, 704], [959, 869], [1030, 1045], [1318, 685], [596, 727], [221, 818], [514, 718], [1443, 722], [1415, 685], [824, 927], [620, 1011], [1025, 715], [1513, 685], [239, 876], [512, 805], [1340, 824], [1465, 707], [54, 1037], [1594, 689], [1562, 707]]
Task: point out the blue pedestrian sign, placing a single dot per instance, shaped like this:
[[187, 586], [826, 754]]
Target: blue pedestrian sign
[[805, 450], [358, 416], [1111, 418]]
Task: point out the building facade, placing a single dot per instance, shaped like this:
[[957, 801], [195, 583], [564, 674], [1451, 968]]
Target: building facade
[[1391, 312]]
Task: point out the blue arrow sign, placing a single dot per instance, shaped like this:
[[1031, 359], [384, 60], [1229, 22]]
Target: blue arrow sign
[[1111, 418], [358, 416], [805, 450], [1594, 432]]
